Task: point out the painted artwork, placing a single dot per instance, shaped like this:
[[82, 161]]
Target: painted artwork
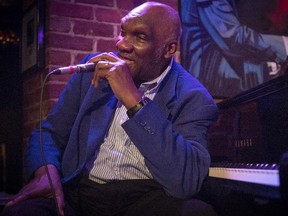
[[232, 46]]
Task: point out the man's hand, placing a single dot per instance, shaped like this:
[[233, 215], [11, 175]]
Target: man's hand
[[39, 187], [118, 74]]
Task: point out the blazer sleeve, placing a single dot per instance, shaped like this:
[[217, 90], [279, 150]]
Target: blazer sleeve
[[48, 144], [174, 144]]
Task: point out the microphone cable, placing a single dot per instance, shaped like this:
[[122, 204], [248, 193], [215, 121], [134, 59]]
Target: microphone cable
[[89, 67], [42, 148]]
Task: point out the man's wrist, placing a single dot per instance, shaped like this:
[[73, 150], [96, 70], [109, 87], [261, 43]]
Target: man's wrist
[[133, 110]]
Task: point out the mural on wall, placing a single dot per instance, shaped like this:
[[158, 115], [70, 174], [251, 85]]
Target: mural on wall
[[234, 45]]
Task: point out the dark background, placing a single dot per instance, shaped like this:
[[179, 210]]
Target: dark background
[[10, 94], [10, 27]]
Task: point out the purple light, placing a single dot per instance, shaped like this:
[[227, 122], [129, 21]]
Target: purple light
[[41, 36]]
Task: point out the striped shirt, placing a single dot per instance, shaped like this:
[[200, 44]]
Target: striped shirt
[[118, 158]]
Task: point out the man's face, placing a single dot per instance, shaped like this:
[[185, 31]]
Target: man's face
[[141, 46]]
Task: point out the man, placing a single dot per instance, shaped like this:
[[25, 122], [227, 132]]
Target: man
[[133, 142]]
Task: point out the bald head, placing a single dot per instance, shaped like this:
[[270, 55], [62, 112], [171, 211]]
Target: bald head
[[165, 19]]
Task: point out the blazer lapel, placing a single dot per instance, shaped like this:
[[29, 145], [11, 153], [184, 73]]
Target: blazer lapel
[[102, 111], [166, 94]]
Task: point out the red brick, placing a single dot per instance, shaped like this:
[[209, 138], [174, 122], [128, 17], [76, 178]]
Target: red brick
[[60, 78], [79, 57], [55, 90], [109, 3], [118, 30], [59, 24], [34, 97], [61, 58], [172, 3], [108, 15], [32, 114], [106, 45], [71, 10], [93, 29], [129, 4], [70, 42]]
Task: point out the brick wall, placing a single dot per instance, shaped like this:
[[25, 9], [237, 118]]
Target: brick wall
[[74, 28]]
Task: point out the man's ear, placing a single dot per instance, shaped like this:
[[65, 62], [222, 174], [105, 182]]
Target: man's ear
[[171, 49]]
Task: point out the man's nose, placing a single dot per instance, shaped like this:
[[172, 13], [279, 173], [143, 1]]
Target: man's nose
[[124, 43]]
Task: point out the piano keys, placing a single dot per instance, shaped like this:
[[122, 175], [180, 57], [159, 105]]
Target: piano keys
[[263, 176], [264, 183], [249, 142]]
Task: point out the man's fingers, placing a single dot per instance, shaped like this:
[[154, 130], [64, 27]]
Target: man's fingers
[[17, 198], [102, 68], [59, 195], [102, 57], [61, 204], [104, 64], [29, 191]]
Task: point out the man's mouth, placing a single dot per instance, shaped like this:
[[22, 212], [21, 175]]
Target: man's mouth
[[127, 59]]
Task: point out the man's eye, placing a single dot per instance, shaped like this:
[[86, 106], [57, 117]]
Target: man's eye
[[142, 37], [122, 33]]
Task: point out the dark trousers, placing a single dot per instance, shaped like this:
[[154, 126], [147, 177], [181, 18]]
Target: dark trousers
[[117, 198]]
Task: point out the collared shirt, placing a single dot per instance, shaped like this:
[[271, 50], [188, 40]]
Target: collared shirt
[[118, 158]]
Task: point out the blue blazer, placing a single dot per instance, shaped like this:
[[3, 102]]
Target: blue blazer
[[174, 125]]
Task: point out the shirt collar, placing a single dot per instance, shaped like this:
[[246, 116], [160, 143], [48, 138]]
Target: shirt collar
[[154, 84]]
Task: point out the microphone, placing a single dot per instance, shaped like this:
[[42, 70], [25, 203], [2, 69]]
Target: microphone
[[80, 68]]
